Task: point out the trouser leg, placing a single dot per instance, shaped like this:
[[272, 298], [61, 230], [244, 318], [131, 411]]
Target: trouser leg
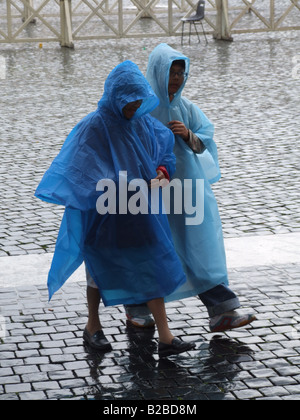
[[219, 300]]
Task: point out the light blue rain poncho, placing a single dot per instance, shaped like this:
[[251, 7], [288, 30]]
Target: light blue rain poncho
[[130, 257], [200, 247]]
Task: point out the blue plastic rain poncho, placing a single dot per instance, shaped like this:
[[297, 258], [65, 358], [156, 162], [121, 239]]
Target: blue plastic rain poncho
[[131, 257], [200, 247]]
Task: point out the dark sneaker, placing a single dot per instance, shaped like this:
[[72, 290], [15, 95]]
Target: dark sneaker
[[97, 341], [177, 347]]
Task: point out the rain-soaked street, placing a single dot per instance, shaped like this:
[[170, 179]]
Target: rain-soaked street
[[246, 88], [250, 89]]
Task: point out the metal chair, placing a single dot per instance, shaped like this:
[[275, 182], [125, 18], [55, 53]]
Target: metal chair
[[197, 18]]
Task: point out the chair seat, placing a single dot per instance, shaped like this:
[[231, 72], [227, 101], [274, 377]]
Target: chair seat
[[191, 19]]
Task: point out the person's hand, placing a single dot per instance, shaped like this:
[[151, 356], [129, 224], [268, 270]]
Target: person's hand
[[160, 175], [179, 129], [158, 181]]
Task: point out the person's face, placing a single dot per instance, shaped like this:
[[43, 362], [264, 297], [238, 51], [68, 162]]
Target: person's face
[[176, 78], [130, 109]]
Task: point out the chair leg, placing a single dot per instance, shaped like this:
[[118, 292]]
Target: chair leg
[[197, 32], [190, 33], [204, 32]]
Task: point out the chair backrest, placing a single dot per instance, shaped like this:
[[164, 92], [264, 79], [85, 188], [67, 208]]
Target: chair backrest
[[200, 9]]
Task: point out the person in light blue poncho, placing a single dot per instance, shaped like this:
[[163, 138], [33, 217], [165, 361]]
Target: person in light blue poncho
[[101, 176], [200, 247]]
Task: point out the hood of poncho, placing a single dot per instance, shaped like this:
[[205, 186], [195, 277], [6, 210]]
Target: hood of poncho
[[126, 84], [160, 62]]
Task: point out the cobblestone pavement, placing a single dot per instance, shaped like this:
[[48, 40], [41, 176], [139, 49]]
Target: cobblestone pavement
[[42, 355], [246, 88]]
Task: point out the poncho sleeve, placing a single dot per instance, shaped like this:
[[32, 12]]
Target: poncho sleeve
[[203, 128], [73, 175]]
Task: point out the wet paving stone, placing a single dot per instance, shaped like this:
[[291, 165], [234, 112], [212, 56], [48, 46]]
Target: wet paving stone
[[42, 355]]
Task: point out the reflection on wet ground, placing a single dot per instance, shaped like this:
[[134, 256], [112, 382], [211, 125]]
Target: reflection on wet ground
[[185, 377]]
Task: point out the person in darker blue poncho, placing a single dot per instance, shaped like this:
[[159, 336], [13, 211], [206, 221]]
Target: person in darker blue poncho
[[101, 176], [200, 246]]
